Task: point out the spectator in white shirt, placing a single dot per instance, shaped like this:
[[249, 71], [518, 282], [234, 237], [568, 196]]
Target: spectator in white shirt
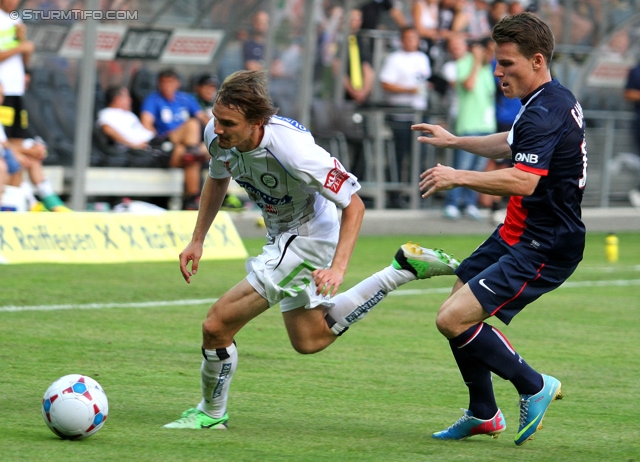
[[124, 128], [404, 79], [120, 124]]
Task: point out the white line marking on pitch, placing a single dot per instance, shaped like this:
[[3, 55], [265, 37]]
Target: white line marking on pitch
[[209, 301]]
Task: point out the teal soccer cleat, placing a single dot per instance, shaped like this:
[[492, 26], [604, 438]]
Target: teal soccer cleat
[[533, 408], [423, 262], [193, 418], [467, 426]]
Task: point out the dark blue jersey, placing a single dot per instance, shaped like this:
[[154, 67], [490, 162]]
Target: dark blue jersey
[[548, 139], [633, 83]]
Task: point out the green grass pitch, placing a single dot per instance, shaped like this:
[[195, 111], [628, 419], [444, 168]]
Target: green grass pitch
[[376, 394]]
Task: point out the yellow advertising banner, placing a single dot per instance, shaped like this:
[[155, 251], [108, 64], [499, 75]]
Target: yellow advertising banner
[[92, 237]]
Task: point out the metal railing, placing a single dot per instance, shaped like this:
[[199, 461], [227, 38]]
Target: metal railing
[[609, 133]]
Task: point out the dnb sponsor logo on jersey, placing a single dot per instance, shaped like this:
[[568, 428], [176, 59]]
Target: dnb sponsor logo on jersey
[[335, 178], [527, 158]]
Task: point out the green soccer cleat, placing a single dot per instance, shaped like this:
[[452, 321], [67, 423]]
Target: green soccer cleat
[[423, 262], [193, 418], [232, 203], [54, 204]]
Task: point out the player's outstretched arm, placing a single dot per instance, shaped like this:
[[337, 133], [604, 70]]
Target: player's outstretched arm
[[503, 182], [211, 199], [494, 146]]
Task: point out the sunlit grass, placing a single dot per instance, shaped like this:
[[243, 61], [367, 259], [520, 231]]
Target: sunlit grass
[[376, 394]]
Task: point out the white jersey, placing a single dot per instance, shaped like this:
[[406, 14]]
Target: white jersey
[[12, 68], [288, 175], [126, 123]]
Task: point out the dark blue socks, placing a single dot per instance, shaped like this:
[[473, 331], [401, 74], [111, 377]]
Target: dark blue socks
[[483, 349]]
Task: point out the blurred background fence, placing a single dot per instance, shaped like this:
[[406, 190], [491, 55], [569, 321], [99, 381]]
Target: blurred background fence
[[598, 41]]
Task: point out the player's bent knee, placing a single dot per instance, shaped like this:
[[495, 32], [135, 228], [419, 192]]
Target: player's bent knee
[[214, 331], [444, 323]]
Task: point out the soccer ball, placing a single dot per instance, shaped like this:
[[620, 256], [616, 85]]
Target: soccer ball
[[75, 407]]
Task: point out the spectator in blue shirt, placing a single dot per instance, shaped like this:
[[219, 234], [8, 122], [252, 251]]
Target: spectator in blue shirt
[[176, 115]]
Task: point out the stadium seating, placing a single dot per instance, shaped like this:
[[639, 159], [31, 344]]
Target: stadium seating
[[40, 101], [143, 82], [66, 101], [105, 152], [122, 182]]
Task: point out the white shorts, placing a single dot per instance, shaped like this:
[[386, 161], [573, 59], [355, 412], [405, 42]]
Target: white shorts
[[282, 273]]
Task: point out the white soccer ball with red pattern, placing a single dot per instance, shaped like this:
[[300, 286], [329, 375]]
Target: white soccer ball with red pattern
[[75, 407]]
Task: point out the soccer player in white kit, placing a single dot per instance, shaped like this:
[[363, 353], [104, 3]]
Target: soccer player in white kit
[[298, 186]]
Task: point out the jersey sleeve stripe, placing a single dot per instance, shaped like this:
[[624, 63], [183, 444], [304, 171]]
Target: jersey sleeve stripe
[[536, 171]]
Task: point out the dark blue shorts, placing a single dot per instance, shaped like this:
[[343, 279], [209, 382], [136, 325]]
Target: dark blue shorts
[[505, 281]]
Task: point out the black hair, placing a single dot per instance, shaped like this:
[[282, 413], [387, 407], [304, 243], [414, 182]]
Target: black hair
[[111, 93], [168, 73]]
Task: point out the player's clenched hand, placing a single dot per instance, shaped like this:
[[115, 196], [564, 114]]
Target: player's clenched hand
[[438, 178], [328, 281], [192, 253]]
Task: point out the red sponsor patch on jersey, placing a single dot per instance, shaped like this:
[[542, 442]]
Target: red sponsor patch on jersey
[[335, 178], [270, 209]]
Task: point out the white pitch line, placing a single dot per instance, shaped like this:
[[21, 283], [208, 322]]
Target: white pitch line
[[100, 306], [209, 301], [608, 269]]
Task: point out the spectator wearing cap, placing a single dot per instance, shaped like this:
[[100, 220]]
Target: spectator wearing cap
[[205, 91]]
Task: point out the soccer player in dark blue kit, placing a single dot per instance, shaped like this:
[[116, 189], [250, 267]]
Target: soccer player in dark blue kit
[[542, 239]]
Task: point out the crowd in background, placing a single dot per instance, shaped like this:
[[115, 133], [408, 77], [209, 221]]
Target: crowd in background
[[435, 57]]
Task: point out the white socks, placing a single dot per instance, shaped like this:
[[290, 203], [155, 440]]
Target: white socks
[[45, 188], [216, 373], [25, 186], [219, 365], [354, 304]]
